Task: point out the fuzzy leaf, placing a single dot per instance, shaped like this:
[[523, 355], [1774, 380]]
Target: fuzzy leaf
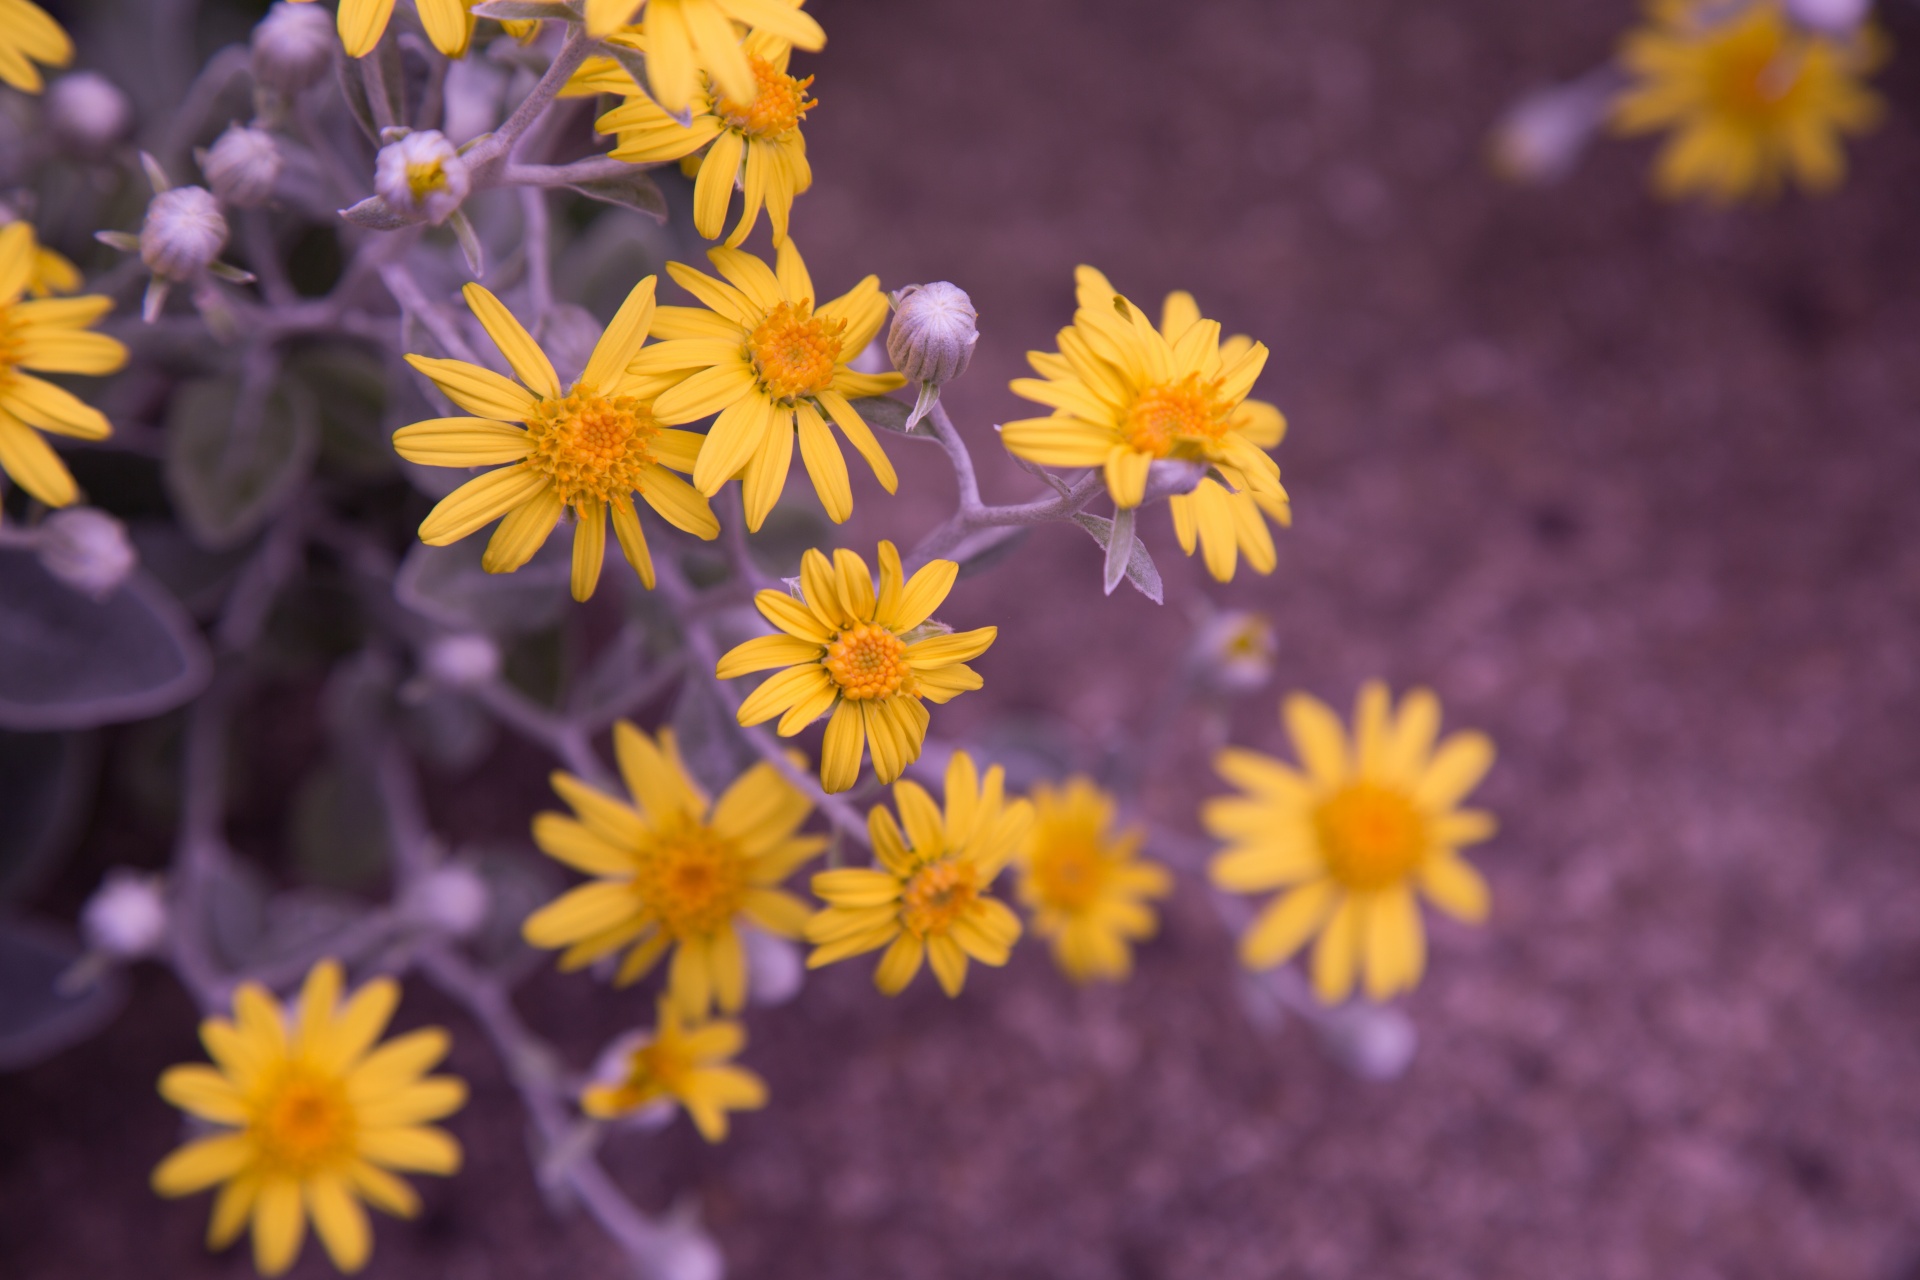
[[45, 782], [1140, 569], [888, 414], [525, 11], [228, 465], [39, 1014], [634, 190], [375, 214], [448, 586]]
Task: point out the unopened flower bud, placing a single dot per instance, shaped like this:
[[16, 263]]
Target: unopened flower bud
[[86, 549], [452, 898], [127, 915], [462, 661], [934, 330], [1234, 652], [422, 174], [293, 47], [243, 166], [1541, 137], [1832, 16], [88, 112], [183, 234], [1374, 1042]]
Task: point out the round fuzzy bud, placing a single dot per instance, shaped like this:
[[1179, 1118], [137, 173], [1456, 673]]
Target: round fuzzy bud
[[462, 661], [183, 233], [1234, 651], [452, 898], [1374, 1042], [934, 329], [88, 112], [243, 166], [422, 174], [1833, 16], [86, 549], [293, 47], [127, 915]]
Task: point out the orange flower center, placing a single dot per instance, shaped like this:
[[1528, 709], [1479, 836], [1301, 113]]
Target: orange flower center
[[1372, 837], [795, 352], [1174, 418], [305, 1123], [591, 447], [1068, 870], [691, 879], [937, 895], [780, 102], [1753, 76], [868, 662]]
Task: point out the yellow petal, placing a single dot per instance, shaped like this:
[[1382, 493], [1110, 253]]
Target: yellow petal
[[204, 1092], [461, 442], [949, 963], [338, 1219], [33, 465], [623, 337], [201, 1163], [419, 1149], [362, 23], [279, 1221], [524, 531], [1453, 885], [841, 749], [579, 912], [481, 392], [1318, 737], [899, 965], [1337, 954], [479, 502], [528, 361]]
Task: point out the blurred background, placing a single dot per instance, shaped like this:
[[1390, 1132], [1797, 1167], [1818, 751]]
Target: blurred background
[[1630, 485]]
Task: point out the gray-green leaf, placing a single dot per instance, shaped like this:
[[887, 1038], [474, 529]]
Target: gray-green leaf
[[633, 190], [1140, 569], [227, 470]]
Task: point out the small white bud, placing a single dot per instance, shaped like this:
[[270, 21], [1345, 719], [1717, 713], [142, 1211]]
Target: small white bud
[[423, 174], [183, 234], [88, 112], [451, 898], [293, 47], [1835, 17], [243, 166], [1375, 1042], [462, 661], [86, 549], [934, 331], [1541, 137], [127, 915], [1234, 652]]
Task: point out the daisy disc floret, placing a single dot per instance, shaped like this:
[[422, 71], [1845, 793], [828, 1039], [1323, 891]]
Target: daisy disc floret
[[673, 871], [47, 335], [928, 895], [1085, 883], [774, 367], [1750, 97], [1125, 396], [586, 450], [1351, 836], [29, 35], [683, 38], [311, 1119], [870, 658], [684, 1061]]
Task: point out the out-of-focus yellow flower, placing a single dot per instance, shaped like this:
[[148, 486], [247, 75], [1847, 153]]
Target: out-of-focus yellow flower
[[928, 896], [673, 870], [754, 144], [1751, 98], [587, 450], [871, 659], [448, 23], [682, 38], [28, 34], [1350, 836], [1125, 395], [52, 273], [48, 335], [685, 1061], [1085, 883], [770, 364], [312, 1119]]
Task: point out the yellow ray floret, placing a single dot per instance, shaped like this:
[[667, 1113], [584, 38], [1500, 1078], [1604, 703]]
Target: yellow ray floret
[[310, 1119], [1085, 883], [1125, 395], [870, 658], [29, 35], [586, 450], [448, 23], [772, 366], [927, 896], [1751, 99], [686, 37], [754, 145], [49, 335], [1350, 835], [673, 871], [683, 1061]]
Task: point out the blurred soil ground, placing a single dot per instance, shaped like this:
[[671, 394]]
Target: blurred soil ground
[[1630, 486]]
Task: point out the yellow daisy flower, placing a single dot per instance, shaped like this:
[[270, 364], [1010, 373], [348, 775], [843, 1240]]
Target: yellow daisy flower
[[28, 34], [685, 37], [1085, 883], [49, 335], [762, 357], [52, 273], [1228, 523], [1124, 396], [1752, 98], [752, 144], [682, 1062], [587, 450], [927, 896], [870, 659], [673, 870], [312, 1117], [448, 23], [1351, 836]]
